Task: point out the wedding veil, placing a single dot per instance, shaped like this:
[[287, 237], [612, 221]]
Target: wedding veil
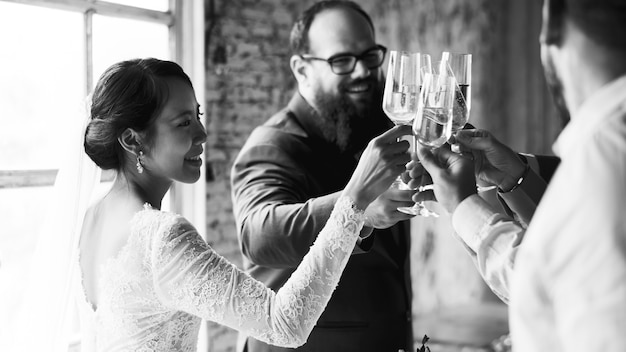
[[48, 305]]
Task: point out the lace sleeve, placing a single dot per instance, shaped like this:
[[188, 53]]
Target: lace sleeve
[[191, 277]]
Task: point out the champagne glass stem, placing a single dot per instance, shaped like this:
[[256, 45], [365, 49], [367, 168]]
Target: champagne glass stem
[[419, 208]]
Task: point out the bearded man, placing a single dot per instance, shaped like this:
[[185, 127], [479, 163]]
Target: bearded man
[[289, 173]]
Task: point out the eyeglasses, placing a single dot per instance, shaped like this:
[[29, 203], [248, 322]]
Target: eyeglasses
[[343, 64]]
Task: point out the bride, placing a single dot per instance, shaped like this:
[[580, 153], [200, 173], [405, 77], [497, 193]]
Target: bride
[[146, 277]]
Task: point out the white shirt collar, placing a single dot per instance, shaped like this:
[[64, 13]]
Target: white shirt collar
[[587, 118]]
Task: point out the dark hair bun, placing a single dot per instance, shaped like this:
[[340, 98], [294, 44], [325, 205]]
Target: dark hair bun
[[99, 145]]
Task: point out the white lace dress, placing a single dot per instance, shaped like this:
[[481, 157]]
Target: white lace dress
[[166, 279]]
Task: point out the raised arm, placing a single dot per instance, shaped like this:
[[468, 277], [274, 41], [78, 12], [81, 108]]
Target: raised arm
[[189, 276], [491, 238], [277, 217]]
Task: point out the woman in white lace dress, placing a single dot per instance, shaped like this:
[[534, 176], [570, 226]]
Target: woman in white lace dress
[[147, 277]]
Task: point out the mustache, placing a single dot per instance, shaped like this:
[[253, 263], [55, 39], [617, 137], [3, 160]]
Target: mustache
[[368, 80]]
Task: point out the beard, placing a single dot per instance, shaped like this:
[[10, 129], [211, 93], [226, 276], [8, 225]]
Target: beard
[[555, 86], [347, 125]]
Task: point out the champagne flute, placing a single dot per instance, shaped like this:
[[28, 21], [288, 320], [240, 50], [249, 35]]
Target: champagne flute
[[432, 125], [460, 65], [401, 87], [401, 93]]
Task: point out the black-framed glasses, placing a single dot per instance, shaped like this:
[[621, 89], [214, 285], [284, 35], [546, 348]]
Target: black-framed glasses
[[343, 64]]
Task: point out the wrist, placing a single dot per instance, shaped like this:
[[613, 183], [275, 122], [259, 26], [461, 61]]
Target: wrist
[[359, 201], [511, 186], [513, 179], [461, 197]]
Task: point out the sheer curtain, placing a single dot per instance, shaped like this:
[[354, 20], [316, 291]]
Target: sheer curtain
[[45, 310]]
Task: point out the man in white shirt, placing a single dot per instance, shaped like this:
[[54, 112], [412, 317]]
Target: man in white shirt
[[568, 286], [520, 180]]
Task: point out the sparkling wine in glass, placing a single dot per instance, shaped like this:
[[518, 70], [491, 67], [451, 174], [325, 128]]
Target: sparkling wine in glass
[[402, 87], [460, 65], [432, 126], [401, 93]]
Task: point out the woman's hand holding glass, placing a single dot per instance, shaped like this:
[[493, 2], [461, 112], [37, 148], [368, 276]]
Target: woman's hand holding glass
[[382, 161]]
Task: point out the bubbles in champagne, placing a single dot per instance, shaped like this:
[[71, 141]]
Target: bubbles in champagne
[[461, 107], [402, 106], [434, 127]]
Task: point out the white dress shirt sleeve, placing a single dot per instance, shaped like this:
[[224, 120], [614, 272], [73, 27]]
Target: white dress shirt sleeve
[[491, 238]]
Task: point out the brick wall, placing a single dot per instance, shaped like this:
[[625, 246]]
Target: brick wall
[[248, 79], [245, 85]]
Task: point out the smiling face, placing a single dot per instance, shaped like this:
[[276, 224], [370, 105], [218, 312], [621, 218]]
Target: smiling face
[[342, 31], [175, 144], [349, 106]]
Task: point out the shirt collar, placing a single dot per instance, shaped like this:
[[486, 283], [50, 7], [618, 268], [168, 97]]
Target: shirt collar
[[588, 117]]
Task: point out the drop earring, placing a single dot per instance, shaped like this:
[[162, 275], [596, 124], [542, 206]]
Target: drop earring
[[139, 165]]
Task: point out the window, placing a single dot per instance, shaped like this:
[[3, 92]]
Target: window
[[52, 54]]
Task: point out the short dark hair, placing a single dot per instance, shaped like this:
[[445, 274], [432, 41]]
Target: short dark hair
[[299, 38], [129, 94], [604, 21]]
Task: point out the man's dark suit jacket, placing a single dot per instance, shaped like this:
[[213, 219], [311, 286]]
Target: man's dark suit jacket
[[285, 182]]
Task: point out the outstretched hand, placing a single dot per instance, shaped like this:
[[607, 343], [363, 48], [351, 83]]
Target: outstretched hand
[[452, 174], [495, 163], [383, 211], [382, 161]]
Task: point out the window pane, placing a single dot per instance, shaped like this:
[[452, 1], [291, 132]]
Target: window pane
[[46, 58], [43, 85], [17, 241], [158, 5], [117, 39]]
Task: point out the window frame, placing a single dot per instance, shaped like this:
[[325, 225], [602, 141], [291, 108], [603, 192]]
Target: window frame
[[186, 40], [185, 21]]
